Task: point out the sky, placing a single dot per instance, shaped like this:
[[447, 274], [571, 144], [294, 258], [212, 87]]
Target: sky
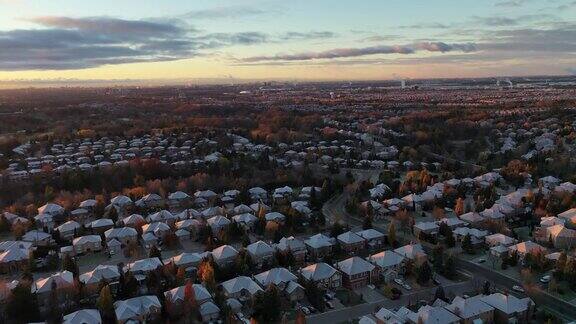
[[296, 39]]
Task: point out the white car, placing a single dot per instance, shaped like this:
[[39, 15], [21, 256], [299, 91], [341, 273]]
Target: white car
[[407, 286], [399, 281], [545, 279], [517, 288]]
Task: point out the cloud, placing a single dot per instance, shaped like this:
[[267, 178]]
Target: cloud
[[228, 39], [307, 35], [79, 43], [511, 3], [225, 12], [380, 38], [112, 26], [373, 50], [432, 25]]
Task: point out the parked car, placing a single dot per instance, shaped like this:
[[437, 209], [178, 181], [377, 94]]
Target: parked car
[[407, 286], [329, 295], [305, 310], [517, 288], [329, 305], [481, 260], [399, 281], [545, 279]]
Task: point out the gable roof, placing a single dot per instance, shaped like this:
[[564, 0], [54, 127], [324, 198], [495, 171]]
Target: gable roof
[[275, 276], [355, 265], [318, 271]]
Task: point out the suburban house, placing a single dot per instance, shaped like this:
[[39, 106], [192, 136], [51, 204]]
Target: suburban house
[[38, 238], [246, 220], [260, 252], [209, 312], [473, 218], [426, 229], [68, 230], [357, 272], [177, 297], [186, 260], [124, 235], [143, 266], [87, 243], [84, 316], [294, 246], [63, 282], [224, 255], [432, 314], [319, 245], [391, 264], [499, 239], [323, 275], [278, 277], [471, 309], [351, 242], [142, 308], [242, 288], [524, 248], [14, 255], [413, 252], [508, 308], [93, 279], [374, 239], [101, 225]]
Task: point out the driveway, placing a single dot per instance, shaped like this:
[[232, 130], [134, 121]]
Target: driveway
[[369, 295]]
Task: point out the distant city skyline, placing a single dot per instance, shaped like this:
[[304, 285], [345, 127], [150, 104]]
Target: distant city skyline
[[299, 40]]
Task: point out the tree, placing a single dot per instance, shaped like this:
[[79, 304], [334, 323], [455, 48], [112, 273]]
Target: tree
[[266, 305], [486, 288], [112, 214], [180, 276], [314, 294], [424, 274], [437, 257], [206, 274], [22, 305], [68, 264], [440, 294], [449, 239], [154, 253], [450, 268], [392, 234], [367, 224], [459, 208], [190, 305], [105, 304], [467, 244], [336, 229], [128, 285]]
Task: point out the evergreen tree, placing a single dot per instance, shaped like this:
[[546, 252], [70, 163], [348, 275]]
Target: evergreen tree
[[266, 305], [22, 305], [450, 268], [392, 234], [424, 274], [467, 244], [105, 304], [68, 264]]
